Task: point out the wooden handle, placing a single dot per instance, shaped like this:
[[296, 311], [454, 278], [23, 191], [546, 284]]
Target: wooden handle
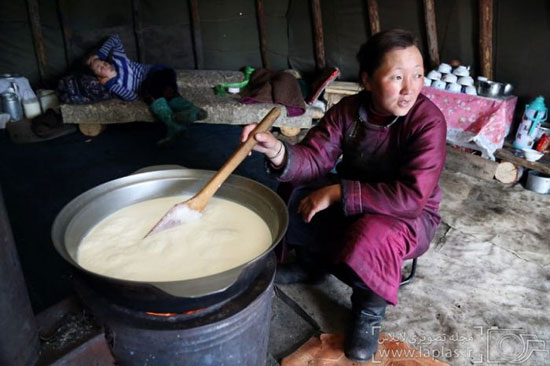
[[201, 199]]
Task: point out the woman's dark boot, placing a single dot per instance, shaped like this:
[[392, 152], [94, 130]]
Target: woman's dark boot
[[368, 310]]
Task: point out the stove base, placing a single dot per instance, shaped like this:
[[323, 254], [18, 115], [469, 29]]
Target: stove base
[[235, 333]]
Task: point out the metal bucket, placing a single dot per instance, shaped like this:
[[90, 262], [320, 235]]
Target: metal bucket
[[80, 215], [538, 182]]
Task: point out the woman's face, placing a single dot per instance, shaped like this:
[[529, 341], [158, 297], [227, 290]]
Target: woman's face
[[397, 82], [102, 69]]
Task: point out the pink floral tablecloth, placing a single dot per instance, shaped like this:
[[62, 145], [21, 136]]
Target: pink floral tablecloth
[[472, 121]]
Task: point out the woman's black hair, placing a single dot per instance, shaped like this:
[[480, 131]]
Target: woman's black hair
[[372, 53]]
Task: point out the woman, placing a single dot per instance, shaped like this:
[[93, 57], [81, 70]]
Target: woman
[[382, 206], [156, 84]]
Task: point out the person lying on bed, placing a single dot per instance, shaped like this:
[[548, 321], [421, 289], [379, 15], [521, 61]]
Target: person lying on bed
[[156, 84]]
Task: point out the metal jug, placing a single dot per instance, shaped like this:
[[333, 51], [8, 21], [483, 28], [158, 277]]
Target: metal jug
[[12, 105]]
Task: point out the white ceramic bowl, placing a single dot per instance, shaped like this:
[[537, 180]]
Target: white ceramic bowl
[[434, 75], [466, 80], [461, 71], [470, 89], [444, 68], [454, 87], [532, 155], [439, 84], [449, 78]]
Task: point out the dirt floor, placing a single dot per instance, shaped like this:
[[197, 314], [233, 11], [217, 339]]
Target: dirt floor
[[481, 293]]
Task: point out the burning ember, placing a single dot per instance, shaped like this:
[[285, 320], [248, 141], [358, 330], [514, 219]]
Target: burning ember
[[175, 314]]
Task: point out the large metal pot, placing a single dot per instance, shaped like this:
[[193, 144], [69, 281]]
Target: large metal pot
[[85, 211]]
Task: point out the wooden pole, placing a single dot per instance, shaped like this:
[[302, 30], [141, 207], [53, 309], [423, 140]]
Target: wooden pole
[[137, 30], [469, 164], [197, 37], [62, 13], [374, 18], [431, 31], [486, 37], [318, 34], [38, 39], [263, 34]]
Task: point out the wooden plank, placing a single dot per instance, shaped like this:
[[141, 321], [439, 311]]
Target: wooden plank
[[263, 33], [486, 37], [37, 37], [138, 32], [318, 34], [431, 31], [543, 165], [374, 18], [66, 30], [470, 164], [197, 36], [343, 86], [336, 90]]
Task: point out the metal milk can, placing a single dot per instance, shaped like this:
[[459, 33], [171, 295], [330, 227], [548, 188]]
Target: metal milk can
[[12, 105]]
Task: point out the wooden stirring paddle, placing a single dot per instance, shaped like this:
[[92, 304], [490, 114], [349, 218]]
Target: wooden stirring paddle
[[183, 211]]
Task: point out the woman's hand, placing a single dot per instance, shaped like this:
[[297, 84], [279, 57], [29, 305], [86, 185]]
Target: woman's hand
[[267, 144], [319, 200]]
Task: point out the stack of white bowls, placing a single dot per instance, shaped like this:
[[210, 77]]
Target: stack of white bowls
[[457, 80]]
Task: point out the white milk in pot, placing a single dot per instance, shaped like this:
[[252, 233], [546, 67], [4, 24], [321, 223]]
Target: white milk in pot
[[225, 236]]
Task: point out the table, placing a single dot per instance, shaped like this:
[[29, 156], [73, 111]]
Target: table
[[473, 121]]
